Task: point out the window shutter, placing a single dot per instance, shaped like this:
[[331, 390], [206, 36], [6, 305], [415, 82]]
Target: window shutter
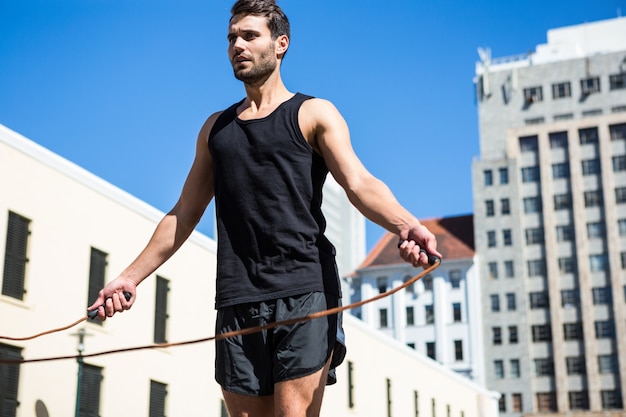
[[90, 391], [160, 310], [15, 256], [9, 379], [97, 269], [158, 392]]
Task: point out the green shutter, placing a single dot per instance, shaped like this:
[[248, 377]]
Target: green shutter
[[160, 310], [158, 392], [9, 379], [15, 256], [90, 391]]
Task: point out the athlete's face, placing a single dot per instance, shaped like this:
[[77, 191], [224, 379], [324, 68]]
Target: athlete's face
[[251, 49]]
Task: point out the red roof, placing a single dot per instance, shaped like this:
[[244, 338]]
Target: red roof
[[455, 240]]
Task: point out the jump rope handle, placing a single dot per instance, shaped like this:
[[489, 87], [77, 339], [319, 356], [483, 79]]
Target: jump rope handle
[[92, 314], [432, 259]]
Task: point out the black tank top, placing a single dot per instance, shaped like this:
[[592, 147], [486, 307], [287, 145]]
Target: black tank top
[[268, 194]]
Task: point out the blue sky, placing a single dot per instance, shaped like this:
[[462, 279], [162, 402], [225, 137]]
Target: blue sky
[[121, 87]]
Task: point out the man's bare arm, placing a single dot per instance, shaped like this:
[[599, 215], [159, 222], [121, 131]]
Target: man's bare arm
[[171, 232], [330, 135]]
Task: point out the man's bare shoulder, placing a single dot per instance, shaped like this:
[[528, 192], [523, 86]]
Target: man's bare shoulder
[[205, 130]]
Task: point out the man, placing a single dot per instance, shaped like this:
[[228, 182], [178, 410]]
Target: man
[[265, 160]]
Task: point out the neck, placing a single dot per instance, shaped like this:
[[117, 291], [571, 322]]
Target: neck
[[266, 93]]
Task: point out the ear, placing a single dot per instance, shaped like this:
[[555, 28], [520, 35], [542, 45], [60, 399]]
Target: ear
[[282, 44]]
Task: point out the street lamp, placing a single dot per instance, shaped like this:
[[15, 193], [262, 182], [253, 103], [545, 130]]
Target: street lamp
[[80, 348]]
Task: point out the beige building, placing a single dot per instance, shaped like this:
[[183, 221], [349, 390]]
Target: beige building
[[64, 231]]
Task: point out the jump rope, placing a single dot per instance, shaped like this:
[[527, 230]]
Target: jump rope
[[433, 262]]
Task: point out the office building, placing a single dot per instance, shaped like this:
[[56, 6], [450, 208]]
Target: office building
[[550, 222]]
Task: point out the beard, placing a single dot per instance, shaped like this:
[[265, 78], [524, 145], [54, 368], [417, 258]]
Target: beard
[[260, 70]]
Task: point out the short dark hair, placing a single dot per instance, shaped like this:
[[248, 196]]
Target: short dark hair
[[276, 19]]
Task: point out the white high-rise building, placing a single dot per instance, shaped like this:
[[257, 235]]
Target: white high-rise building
[[550, 222]]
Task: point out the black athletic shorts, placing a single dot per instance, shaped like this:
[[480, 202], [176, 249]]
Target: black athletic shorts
[[252, 364]]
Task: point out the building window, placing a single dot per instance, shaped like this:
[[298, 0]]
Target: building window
[[601, 295], [428, 282], [528, 143], [488, 177], [502, 404], [505, 206], [591, 166], [498, 366], [510, 301], [458, 350], [598, 263], [516, 403], [493, 270], [620, 195], [595, 230], [429, 312], [561, 90], [536, 267], [455, 278], [381, 284], [611, 399], [541, 333], [617, 81], [160, 310], [495, 302], [578, 400], [382, 318], [560, 170], [605, 329], [158, 393], [410, 316], [15, 258], [546, 401], [534, 236], [607, 364], [565, 233], [504, 175], [563, 116], [515, 368], [619, 163], [491, 239], [508, 269], [562, 201], [430, 350], [539, 299], [456, 312], [575, 365], [622, 256], [389, 400], [572, 331], [513, 337], [558, 140], [567, 265], [90, 383], [97, 272], [533, 94], [544, 367], [530, 174], [496, 333], [489, 208], [618, 131], [590, 85], [9, 379], [532, 205], [588, 135], [593, 198], [569, 298], [506, 237]]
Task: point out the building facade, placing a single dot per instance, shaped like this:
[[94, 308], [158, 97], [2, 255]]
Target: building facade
[[439, 315], [550, 222], [65, 232]]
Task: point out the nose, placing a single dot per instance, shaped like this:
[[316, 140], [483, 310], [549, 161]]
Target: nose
[[238, 44]]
